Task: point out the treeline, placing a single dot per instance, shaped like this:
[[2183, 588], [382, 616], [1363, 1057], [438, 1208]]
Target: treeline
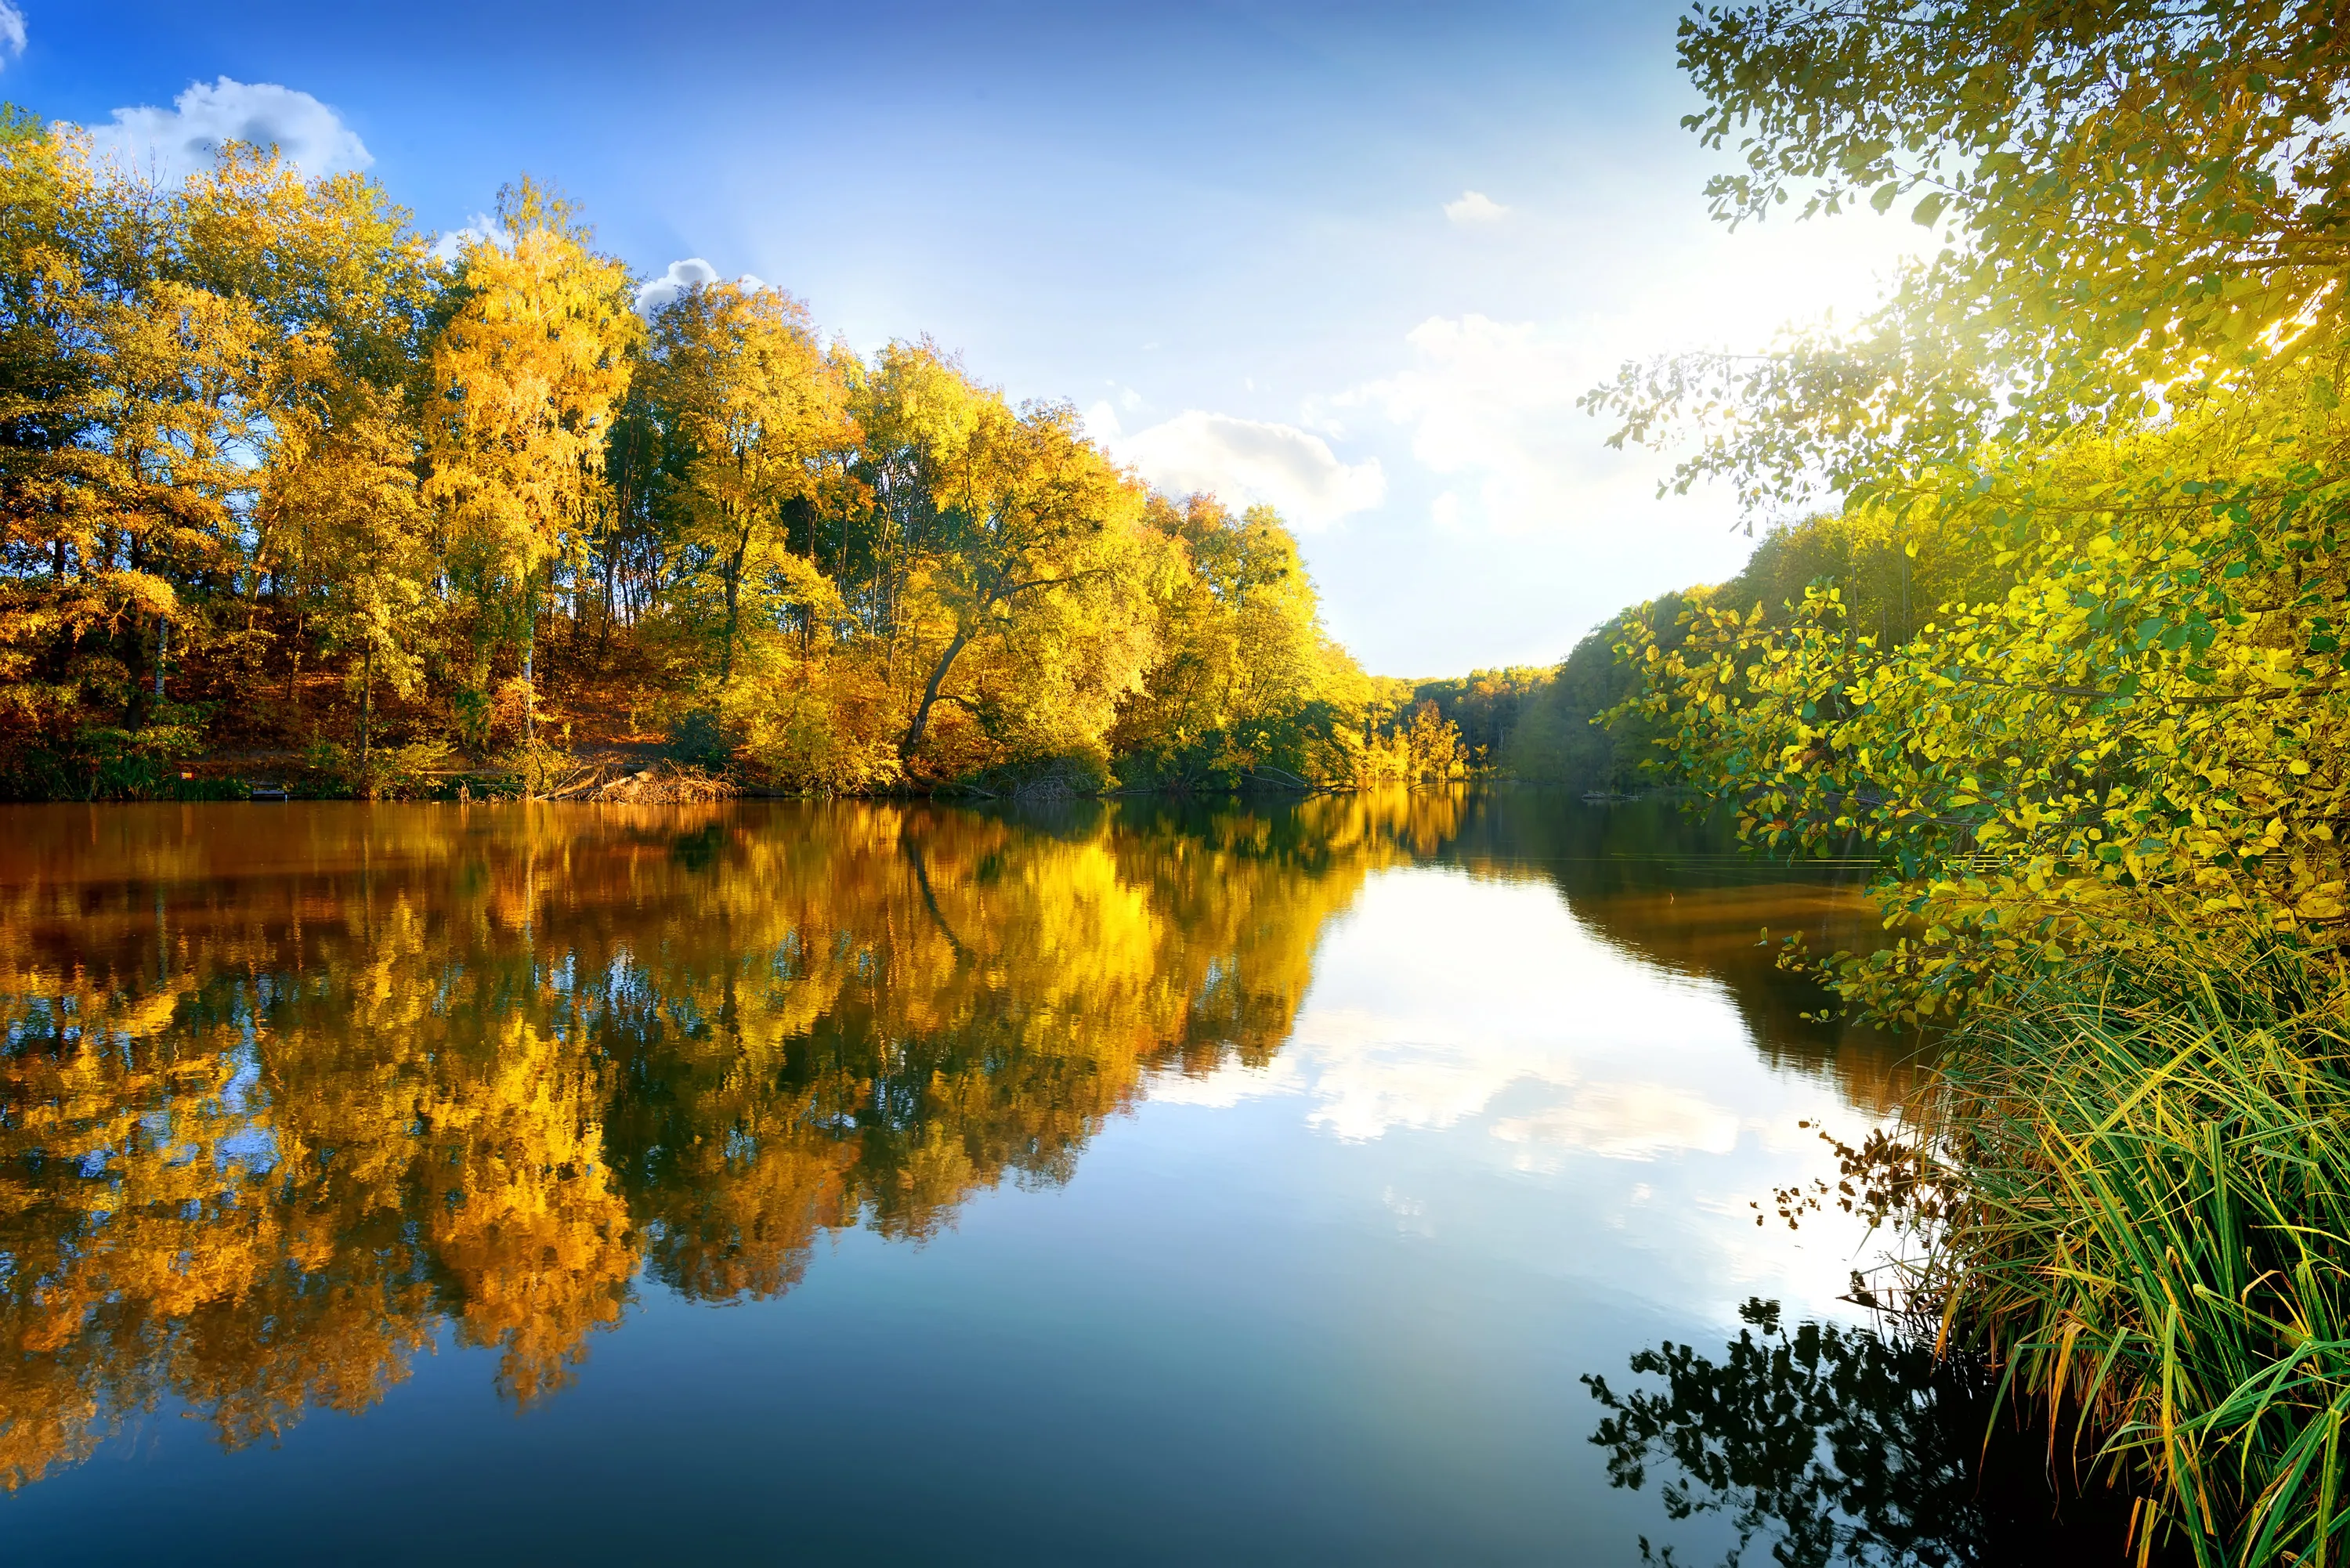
[[281, 475], [1578, 727]]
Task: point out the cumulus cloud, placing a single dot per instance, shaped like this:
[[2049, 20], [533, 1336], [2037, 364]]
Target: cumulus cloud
[[1491, 409], [1473, 208], [177, 141], [689, 273], [481, 229], [1246, 463], [682, 276], [12, 32]]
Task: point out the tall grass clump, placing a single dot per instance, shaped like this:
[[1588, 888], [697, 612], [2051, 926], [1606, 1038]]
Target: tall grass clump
[[2152, 1171]]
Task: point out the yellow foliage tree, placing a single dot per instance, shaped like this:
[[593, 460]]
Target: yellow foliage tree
[[525, 375]]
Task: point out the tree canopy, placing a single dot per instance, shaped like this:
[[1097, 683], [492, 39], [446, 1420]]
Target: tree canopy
[[279, 475]]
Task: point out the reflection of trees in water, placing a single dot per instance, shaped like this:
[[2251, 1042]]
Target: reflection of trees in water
[[1837, 1445], [282, 1090], [1673, 890]]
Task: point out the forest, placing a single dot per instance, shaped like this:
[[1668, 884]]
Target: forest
[[293, 489]]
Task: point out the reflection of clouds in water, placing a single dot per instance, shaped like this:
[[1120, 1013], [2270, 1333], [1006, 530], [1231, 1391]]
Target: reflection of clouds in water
[[1364, 1086], [1222, 1089], [1621, 1121], [1621, 1104], [1438, 992]]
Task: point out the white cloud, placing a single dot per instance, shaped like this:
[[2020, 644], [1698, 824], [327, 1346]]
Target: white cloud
[[1491, 409], [175, 142], [1246, 463], [689, 273], [1473, 208], [12, 31], [682, 276], [481, 229], [1624, 1121], [1488, 406]]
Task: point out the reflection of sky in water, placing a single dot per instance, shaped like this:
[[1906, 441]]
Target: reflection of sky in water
[[1483, 1014], [1332, 1308]]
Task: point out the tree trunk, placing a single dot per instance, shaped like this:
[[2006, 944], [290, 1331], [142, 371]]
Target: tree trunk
[[529, 688], [134, 657], [366, 718], [604, 635], [913, 739], [733, 606]]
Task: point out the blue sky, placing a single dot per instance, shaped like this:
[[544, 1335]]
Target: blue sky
[[1355, 260]]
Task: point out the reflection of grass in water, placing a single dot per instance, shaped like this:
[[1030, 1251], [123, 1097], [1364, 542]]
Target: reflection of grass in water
[[1839, 1445]]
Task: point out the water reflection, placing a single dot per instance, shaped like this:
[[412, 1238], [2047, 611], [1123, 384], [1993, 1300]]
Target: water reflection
[[288, 1096], [1671, 890], [1837, 1445], [285, 1093]]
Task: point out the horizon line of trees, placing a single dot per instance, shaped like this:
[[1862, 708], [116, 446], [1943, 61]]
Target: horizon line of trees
[[275, 475]]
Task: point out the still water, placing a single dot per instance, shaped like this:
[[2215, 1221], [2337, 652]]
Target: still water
[[881, 1183]]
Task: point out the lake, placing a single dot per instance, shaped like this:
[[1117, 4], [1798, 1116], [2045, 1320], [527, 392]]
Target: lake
[[896, 1183]]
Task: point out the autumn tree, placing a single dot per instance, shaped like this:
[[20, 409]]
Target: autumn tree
[[1243, 675], [339, 531], [1009, 555], [51, 219], [524, 374], [274, 476], [753, 416]]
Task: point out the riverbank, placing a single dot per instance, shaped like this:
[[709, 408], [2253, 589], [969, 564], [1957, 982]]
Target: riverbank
[[640, 773], [2136, 1186]]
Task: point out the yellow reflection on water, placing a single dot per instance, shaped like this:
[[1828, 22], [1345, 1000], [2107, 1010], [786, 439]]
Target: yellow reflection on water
[[287, 1090]]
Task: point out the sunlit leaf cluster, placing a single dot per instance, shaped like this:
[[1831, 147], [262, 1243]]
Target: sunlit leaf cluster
[[2142, 729]]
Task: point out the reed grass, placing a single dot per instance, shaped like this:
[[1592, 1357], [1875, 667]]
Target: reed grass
[[2153, 1235]]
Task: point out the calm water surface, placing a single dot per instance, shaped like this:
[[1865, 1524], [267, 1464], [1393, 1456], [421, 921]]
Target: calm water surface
[[871, 1183]]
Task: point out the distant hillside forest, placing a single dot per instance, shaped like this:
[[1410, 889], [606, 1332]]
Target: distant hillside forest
[[1541, 725], [291, 488]]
